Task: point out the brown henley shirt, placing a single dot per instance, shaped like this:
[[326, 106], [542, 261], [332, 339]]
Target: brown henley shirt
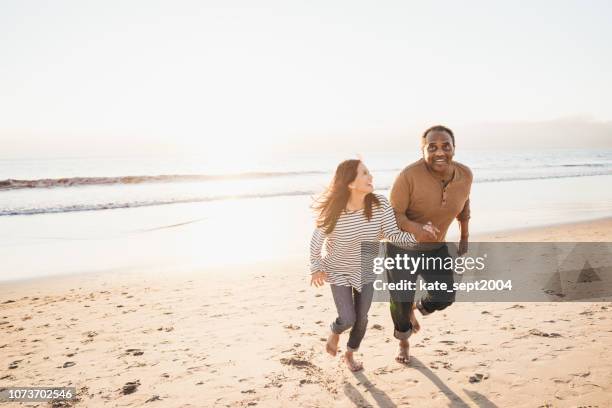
[[417, 195]]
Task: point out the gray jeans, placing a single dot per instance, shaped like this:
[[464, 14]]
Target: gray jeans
[[353, 310]]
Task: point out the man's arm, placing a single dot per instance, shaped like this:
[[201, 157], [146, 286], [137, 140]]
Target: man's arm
[[464, 231], [400, 201]]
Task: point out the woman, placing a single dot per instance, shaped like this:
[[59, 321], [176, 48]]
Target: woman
[[349, 214]]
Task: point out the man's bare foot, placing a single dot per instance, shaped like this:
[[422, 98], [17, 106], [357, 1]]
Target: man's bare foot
[[413, 320], [351, 363], [402, 355], [332, 344]]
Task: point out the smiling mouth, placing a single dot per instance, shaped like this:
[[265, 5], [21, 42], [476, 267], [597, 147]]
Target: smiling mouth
[[440, 161]]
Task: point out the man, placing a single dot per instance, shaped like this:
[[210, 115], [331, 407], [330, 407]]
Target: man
[[426, 197]]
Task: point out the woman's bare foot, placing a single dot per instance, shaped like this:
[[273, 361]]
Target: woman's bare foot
[[332, 344], [413, 320], [351, 363], [402, 355]]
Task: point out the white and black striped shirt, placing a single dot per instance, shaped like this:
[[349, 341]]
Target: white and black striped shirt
[[342, 260]]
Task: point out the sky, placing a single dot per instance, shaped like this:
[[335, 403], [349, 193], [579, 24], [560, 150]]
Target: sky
[[233, 77]]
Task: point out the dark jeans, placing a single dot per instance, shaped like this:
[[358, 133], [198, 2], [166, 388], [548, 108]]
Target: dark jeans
[[401, 302], [353, 310]]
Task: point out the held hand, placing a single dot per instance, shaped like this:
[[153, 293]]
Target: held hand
[[429, 227], [426, 233], [318, 279], [463, 247]]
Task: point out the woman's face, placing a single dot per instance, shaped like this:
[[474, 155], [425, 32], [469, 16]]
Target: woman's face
[[363, 180]]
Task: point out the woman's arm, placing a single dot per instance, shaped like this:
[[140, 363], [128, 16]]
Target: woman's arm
[[317, 273], [389, 227]]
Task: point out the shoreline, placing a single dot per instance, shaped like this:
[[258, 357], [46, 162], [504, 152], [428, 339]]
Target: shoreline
[[596, 230]]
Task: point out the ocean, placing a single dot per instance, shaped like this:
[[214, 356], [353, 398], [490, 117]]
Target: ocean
[[41, 186]]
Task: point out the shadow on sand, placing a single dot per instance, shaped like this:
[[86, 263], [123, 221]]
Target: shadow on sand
[[384, 401]]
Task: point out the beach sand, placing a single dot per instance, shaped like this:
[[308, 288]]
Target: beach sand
[[253, 335]]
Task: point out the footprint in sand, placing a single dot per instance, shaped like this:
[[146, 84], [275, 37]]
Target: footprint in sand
[[537, 332], [130, 387], [478, 377], [445, 364], [313, 374], [14, 364], [387, 370]]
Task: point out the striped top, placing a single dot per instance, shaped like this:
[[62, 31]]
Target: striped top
[[342, 259]]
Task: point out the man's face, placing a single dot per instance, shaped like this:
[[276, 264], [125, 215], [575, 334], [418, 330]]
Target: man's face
[[438, 151]]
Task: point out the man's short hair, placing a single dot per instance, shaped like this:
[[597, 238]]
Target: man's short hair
[[438, 128]]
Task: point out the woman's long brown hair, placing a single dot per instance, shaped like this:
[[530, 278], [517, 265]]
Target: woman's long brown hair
[[334, 200]]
